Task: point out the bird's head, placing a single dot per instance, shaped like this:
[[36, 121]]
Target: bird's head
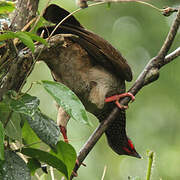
[[129, 149], [123, 146]]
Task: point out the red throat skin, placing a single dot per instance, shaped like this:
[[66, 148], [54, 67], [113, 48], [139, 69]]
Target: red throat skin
[[130, 150], [130, 144]]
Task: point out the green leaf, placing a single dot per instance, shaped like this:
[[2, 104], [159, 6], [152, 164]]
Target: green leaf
[[31, 139], [46, 158], [26, 40], [33, 164], [67, 154], [66, 99], [6, 7], [20, 35], [44, 127], [6, 36], [4, 112], [10, 109], [36, 38], [13, 128], [26, 104], [26, 37], [14, 167], [1, 142]]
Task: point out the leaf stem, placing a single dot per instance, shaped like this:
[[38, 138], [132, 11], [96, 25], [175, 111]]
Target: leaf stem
[[150, 162]]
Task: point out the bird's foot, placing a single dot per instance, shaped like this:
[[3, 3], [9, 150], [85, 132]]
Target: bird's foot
[[116, 98], [64, 133], [77, 162]]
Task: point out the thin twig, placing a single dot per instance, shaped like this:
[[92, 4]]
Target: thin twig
[[104, 172], [72, 13], [41, 14], [28, 145], [83, 4], [165, 11], [52, 173], [121, 1], [31, 85], [170, 37]]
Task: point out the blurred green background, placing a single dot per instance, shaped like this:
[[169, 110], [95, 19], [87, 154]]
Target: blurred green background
[[153, 120]]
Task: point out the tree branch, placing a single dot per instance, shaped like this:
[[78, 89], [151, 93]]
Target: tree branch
[[148, 75], [18, 66], [24, 12]]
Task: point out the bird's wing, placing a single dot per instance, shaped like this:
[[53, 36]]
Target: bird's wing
[[56, 14], [101, 50]]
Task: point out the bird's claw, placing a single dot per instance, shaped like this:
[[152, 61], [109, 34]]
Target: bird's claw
[[116, 98]]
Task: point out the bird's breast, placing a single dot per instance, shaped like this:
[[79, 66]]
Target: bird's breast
[[72, 66]]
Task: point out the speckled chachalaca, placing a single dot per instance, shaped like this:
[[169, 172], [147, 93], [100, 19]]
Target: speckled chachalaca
[[95, 71]]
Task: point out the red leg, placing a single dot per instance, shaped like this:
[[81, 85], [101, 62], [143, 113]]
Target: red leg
[[64, 133], [117, 97], [77, 162]]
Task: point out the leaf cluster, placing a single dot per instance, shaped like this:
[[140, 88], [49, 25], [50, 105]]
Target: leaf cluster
[[22, 121]]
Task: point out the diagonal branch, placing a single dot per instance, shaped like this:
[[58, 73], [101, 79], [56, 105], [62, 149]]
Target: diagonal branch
[[148, 75]]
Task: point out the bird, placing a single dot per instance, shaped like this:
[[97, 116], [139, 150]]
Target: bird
[[95, 71]]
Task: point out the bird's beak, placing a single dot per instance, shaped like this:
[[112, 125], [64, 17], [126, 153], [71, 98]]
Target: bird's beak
[[135, 154]]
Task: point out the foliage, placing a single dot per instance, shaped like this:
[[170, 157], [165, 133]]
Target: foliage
[[6, 7], [14, 167], [26, 37], [19, 111]]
